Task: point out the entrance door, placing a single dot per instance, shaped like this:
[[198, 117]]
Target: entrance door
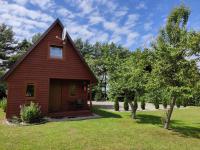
[[55, 96]]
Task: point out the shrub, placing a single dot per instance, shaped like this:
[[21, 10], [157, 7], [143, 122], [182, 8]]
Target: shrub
[[156, 104], [178, 103], [30, 113], [116, 104], [126, 106], [164, 102], [143, 104], [184, 103], [3, 104]]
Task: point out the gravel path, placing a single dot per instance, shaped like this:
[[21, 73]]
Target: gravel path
[[110, 106]]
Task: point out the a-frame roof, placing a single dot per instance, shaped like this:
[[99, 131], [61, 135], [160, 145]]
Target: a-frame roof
[[20, 60]]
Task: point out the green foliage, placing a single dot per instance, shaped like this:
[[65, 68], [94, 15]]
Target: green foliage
[[184, 103], [116, 104], [103, 59], [156, 104], [7, 42], [3, 104], [126, 106], [172, 71], [35, 38], [135, 105], [98, 96], [143, 104], [164, 102], [178, 103], [30, 113], [10, 49]]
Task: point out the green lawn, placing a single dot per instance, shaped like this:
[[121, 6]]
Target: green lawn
[[114, 131]]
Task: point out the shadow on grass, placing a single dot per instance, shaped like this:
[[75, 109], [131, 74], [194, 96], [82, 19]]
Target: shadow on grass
[[176, 125], [105, 114]]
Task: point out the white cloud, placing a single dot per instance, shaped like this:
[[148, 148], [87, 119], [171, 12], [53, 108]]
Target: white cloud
[[111, 5], [148, 25], [43, 4], [115, 38], [147, 39], [120, 13], [110, 25], [100, 20], [132, 20], [17, 10], [95, 19], [141, 5], [85, 6], [99, 36], [131, 39], [24, 21], [65, 13], [21, 2]]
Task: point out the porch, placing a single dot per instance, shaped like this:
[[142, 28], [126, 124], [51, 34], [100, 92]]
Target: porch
[[69, 98]]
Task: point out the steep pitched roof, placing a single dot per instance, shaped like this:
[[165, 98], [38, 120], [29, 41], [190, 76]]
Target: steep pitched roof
[[20, 60]]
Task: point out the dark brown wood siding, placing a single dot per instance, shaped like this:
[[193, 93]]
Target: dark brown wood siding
[[38, 68]]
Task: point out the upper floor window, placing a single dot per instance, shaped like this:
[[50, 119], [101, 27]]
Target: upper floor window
[[56, 52]]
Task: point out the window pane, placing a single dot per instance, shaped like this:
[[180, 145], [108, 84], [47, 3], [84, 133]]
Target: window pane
[[55, 52], [30, 90]]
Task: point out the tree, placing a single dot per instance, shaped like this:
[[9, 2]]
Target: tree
[[143, 104], [35, 38], [7, 43], [172, 71], [126, 106], [116, 104], [101, 58], [20, 49], [130, 77]]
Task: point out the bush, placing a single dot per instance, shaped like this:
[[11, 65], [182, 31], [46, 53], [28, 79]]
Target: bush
[[116, 105], [164, 102], [30, 113], [126, 106], [156, 104], [143, 104], [184, 103], [178, 103], [3, 104]]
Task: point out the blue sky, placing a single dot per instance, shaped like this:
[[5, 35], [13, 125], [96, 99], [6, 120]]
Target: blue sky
[[131, 23]]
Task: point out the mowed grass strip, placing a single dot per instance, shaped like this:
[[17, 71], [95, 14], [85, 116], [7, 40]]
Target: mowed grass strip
[[115, 130]]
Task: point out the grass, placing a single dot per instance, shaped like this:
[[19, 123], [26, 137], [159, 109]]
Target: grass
[[115, 130]]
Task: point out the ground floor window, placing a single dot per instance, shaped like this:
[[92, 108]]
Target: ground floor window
[[30, 90]]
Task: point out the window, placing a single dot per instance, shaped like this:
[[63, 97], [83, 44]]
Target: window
[[30, 90], [72, 90], [56, 52]]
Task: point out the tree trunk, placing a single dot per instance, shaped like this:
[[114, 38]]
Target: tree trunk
[[133, 110], [169, 114]]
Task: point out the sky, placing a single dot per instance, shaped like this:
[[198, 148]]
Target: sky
[[130, 23]]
